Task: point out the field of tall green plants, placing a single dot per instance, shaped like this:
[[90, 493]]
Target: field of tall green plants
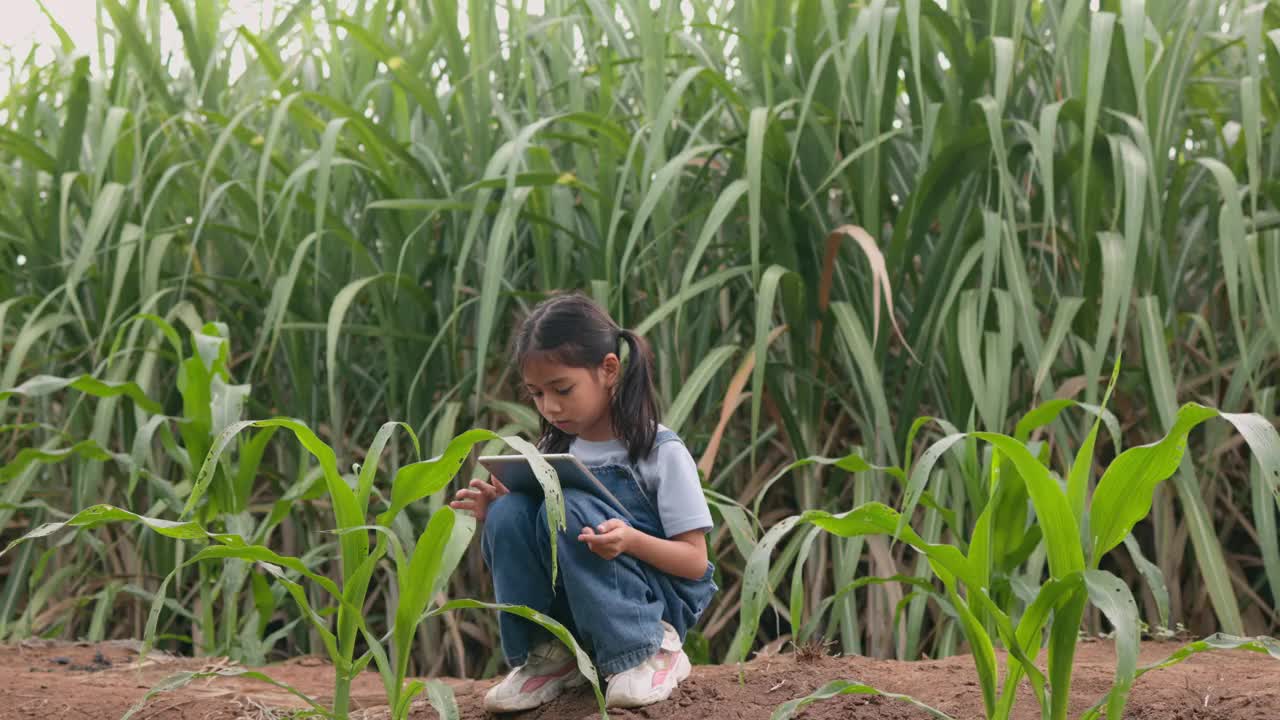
[[938, 293]]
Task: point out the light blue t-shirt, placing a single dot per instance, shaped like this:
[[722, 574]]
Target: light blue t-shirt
[[668, 474]]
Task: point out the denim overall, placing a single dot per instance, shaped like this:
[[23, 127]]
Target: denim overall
[[612, 607]]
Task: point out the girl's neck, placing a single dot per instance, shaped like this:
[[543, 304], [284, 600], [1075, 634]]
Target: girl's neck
[[600, 431]]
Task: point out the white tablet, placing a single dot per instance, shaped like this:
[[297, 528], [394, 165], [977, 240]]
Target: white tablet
[[517, 474]]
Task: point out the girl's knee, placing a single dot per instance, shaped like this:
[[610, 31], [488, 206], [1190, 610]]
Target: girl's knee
[[582, 509], [577, 514], [511, 513]]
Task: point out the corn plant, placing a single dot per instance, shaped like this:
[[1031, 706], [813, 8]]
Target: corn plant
[[1029, 510], [210, 401], [420, 568], [219, 492]]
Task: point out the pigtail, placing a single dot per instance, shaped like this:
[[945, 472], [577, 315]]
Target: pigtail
[[634, 406]]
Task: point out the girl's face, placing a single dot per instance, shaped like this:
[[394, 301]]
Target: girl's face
[[574, 399]]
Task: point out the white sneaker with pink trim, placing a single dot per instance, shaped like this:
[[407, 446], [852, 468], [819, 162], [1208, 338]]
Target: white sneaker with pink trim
[[652, 680], [550, 670]]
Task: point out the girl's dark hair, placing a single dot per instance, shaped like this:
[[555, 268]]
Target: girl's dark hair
[[573, 330]]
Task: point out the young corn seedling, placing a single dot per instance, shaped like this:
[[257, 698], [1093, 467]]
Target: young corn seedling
[[210, 402], [421, 567], [1073, 535]]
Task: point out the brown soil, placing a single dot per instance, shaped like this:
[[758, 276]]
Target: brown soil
[[100, 682]]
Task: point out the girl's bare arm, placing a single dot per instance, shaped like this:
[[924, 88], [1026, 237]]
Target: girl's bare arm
[[684, 555]]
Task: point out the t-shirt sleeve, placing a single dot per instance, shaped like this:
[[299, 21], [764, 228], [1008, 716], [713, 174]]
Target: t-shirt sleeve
[[681, 505]]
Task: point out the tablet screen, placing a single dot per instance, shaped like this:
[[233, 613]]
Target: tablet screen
[[517, 474]]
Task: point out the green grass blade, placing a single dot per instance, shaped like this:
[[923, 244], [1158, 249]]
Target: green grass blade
[[134, 42], [664, 179], [922, 470], [71, 138], [36, 327], [1124, 493], [715, 281], [797, 583], [1219, 641], [1231, 237], [1264, 514], [1047, 412], [1082, 465], [924, 587], [1064, 635], [333, 329], [837, 688], [179, 680], [418, 480], [1111, 595], [693, 385], [441, 697], [497, 254], [324, 160], [1053, 596], [754, 591], [1053, 513], [42, 385], [369, 469], [85, 450], [553, 496], [273, 316], [1101, 26], [1062, 319], [851, 463], [725, 203], [765, 299], [867, 519], [464, 528], [1209, 553], [756, 128], [99, 515], [862, 361], [1154, 578], [416, 581]]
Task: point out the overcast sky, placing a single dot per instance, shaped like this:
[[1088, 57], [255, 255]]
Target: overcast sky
[[25, 25]]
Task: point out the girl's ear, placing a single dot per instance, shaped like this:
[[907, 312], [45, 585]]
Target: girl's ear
[[611, 366]]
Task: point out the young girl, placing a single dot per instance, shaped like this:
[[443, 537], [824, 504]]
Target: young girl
[[629, 591]]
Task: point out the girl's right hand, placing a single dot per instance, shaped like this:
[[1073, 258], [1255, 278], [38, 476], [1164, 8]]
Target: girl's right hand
[[477, 497]]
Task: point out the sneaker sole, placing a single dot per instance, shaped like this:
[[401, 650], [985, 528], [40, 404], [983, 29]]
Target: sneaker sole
[[681, 673], [544, 695]]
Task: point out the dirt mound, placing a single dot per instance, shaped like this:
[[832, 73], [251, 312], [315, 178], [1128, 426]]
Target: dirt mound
[[101, 681]]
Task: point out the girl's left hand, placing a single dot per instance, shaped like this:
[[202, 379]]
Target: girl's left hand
[[609, 540]]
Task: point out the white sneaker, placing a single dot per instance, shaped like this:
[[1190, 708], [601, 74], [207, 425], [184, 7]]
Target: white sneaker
[[652, 680], [550, 669]]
